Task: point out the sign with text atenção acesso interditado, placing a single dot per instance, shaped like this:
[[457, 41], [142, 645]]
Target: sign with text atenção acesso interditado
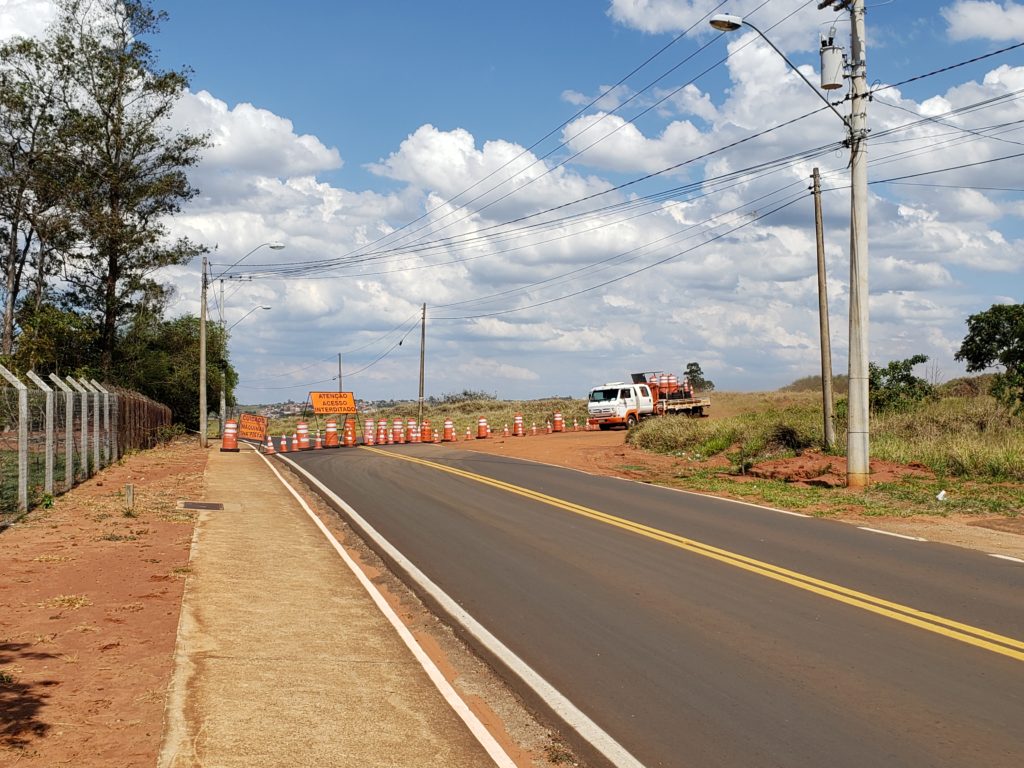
[[333, 402]]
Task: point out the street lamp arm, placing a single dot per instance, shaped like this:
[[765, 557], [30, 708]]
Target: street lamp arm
[[273, 245], [244, 316], [792, 66]]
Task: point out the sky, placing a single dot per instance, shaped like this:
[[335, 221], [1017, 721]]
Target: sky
[[583, 189]]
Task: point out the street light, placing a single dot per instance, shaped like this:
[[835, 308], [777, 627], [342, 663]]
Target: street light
[[245, 316], [203, 423], [858, 425]]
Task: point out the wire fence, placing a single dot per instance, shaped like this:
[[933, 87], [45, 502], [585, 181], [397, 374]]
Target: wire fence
[[57, 432]]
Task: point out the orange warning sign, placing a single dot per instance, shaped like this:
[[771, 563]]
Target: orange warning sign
[[333, 402], [252, 427]]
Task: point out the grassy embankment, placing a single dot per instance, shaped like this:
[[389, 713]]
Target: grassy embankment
[[974, 447]]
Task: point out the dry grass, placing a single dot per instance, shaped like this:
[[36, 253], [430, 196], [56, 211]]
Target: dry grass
[[71, 602]]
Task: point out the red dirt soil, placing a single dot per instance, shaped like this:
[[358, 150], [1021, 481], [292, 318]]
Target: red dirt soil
[[90, 601]]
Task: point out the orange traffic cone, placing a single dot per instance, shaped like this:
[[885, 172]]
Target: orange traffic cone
[[319, 443], [469, 434], [505, 432], [270, 446], [284, 444]]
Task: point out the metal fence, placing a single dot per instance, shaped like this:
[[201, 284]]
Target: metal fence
[[56, 432]]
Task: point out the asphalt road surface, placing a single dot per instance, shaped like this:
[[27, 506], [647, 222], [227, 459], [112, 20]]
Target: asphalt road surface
[[701, 632]]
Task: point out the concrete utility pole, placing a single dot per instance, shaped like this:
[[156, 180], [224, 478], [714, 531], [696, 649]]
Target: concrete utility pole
[[223, 362], [202, 358], [826, 343], [423, 342], [858, 468]]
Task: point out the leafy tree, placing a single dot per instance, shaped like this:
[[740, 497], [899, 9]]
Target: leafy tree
[[895, 386], [160, 359], [34, 172], [130, 165], [697, 380], [996, 337]]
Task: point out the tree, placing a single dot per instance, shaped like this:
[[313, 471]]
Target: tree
[[697, 380], [131, 165], [160, 359], [996, 337], [34, 173], [895, 386]]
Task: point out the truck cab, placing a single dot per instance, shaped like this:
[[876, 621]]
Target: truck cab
[[619, 404]]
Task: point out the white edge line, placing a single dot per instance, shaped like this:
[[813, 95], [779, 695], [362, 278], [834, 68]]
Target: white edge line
[[477, 728], [1007, 557], [562, 706], [890, 533]]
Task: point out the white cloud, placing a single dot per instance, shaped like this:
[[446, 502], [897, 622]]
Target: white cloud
[[252, 140], [25, 18], [984, 19]]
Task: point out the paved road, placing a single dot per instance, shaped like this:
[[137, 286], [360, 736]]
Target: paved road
[[702, 632]]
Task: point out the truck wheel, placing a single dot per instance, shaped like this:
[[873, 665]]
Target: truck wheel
[[630, 421], [604, 427]]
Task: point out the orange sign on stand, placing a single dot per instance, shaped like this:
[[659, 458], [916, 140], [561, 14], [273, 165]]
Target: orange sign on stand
[[252, 427], [333, 402]]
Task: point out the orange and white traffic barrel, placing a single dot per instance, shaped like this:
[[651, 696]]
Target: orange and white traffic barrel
[[517, 426], [302, 430], [559, 422], [349, 433], [481, 428], [426, 433], [398, 431], [368, 427], [412, 431], [382, 432], [229, 440], [449, 431], [331, 434]]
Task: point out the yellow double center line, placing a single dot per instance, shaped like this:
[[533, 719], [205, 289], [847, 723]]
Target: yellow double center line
[[965, 633]]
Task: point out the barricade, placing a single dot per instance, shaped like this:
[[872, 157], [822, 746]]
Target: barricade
[[397, 431], [412, 431], [349, 435], [517, 426], [449, 431], [331, 435], [302, 429], [426, 433], [482, 430], [368, 432], [229, 441], [559, 423]]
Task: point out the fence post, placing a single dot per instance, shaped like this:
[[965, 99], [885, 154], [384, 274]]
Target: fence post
[[106, 420], [69, 431], [95, 421], [48, 480], [22, 437], [85, 424]]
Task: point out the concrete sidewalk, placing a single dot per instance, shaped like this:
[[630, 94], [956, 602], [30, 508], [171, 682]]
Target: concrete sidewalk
[[282, 657]]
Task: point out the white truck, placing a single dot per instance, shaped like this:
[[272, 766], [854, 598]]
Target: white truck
[[650, 393]]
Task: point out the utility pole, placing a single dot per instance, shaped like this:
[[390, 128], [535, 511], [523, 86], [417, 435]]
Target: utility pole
[[858, 468], [223, 362], [826, 344], [423, 341], [339, 372], [202, 359]]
